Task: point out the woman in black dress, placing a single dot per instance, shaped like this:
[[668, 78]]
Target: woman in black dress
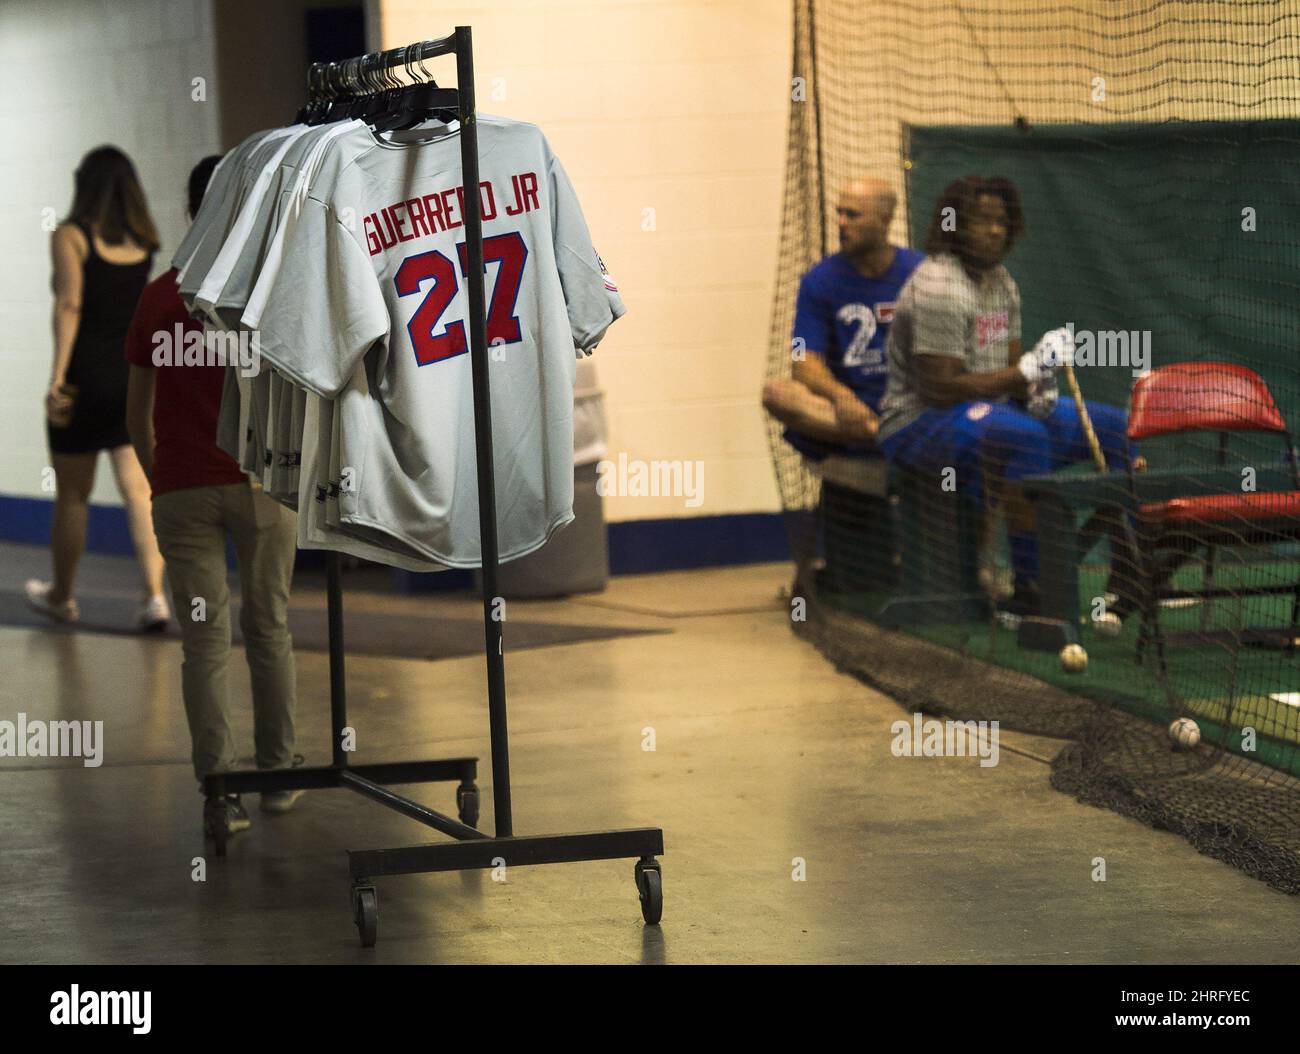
[[102, 254]]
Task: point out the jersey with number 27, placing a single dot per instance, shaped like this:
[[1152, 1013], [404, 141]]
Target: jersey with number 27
[[370, 308], [844, 316]]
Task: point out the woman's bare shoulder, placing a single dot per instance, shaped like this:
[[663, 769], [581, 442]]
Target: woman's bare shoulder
[[70, 235]]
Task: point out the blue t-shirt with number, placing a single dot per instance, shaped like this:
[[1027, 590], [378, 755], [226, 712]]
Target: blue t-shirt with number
[[844, 316]]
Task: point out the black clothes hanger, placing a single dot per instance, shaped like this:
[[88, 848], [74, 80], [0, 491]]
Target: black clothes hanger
[[418, 103], [366, 89], [412, 103], [310, 107]]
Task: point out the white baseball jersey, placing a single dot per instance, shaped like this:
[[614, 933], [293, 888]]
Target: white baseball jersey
[[218, 285], [215, 199], [369, 308], [226, 209]]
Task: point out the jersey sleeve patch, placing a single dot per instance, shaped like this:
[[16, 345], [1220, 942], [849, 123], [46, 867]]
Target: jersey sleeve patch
[[605, 275]]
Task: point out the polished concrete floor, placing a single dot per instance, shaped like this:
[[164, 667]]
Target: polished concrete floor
[[764, 756]]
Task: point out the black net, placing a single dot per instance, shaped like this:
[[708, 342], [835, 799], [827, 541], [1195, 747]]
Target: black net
[[1102, 544]]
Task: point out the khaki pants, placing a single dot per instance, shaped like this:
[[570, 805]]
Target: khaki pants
[[192, 526]]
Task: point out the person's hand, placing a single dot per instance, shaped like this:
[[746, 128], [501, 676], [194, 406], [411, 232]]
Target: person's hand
[[58, 403], [855, 418], [1042, 398], [1051, 352]]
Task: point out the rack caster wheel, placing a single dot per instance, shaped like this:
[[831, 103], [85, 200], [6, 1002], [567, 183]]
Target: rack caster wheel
[[649, 884], [365, 912], [467, 804], [214, 824]]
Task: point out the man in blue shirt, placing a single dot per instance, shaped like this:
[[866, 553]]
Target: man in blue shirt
[[831, 400]]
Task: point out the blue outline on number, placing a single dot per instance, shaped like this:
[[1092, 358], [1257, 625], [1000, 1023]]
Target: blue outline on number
[[447, 329], [462, 252]]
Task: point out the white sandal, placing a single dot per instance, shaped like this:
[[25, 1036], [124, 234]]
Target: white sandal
[[152, 615], [38, 598]]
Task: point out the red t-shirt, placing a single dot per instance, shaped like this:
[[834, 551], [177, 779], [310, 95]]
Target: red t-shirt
[[186, 400]]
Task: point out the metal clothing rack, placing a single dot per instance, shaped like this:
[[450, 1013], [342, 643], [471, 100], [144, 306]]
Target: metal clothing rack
[[472, 848]]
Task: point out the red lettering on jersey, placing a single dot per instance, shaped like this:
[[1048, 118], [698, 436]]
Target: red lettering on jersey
[[517, 206], [529, 183], [398, 219], [404, 221], [448, 208], [415, 210], [487, 200], [991, 327], [391, 239], [525, 188], [433, 209]]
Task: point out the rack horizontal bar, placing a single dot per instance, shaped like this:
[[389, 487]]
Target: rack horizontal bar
[[394, 57], [303, 778], [416, 811], [515, 851]]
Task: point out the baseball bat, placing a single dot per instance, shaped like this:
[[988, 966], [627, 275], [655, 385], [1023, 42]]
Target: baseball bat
[[1094, 446]]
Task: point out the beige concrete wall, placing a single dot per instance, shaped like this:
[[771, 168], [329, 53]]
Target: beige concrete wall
[[670, 116]]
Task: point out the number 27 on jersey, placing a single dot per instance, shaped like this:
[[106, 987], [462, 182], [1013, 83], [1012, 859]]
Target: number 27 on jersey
[[507, 251]]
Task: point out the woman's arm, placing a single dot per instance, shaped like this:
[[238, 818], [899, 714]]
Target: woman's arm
[[67, 255], [139, 415]]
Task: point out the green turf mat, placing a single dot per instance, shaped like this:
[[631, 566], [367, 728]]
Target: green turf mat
[[1224, 692]]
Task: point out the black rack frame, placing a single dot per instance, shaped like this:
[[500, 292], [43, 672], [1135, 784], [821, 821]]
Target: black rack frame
[[473, 848]]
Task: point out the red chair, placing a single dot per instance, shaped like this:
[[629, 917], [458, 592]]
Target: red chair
[[1221, 398]]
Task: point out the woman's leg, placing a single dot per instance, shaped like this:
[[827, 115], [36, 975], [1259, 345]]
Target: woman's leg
[[74, 476], [134, 487]]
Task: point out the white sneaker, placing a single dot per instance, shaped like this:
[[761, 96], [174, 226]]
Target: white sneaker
[[38, 598], [279, 801], [152, 614]]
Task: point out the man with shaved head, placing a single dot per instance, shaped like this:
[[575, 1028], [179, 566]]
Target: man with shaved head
[[831, 401]]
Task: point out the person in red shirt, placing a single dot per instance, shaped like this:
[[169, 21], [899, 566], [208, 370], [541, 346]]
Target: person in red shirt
[[201, 498]]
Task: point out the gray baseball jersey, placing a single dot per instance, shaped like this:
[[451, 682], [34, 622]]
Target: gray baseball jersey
[[258, 162], [941, 310], [220, 281], [264, 409], [215, 199], [369, 308]]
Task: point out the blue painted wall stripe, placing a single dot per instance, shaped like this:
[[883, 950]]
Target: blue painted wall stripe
[[635, 546]]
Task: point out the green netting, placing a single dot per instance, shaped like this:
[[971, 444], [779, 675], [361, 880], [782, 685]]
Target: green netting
[[1178, 241], [1153, 146]]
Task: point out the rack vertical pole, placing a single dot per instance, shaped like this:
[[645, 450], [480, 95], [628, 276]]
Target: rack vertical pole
[[338, 679], [487, 505]]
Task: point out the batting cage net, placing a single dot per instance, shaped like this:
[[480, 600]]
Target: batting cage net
[[1074, 506]]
